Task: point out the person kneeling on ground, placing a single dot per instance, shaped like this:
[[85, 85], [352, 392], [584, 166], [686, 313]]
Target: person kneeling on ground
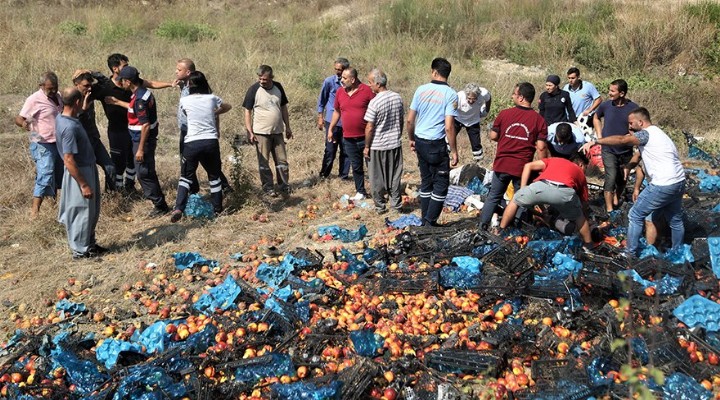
[[561, 185]]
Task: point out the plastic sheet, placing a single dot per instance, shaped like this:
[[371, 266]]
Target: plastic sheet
[[699, 311], [187, 260], [355, 266], [714, 249], [404, 221], [463, 273], [477, 186], [69, 308], [148, 382], [109, 351], [680, 255], [561, 267], [198, 207], [366, 342], [275, 275], [153, 337], [679, 386], [307, 391], [222, 296], [273, 365], [342, 234], [84, 374], [665, 286]]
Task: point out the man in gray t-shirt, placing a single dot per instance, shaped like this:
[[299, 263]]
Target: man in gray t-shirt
[[79, 207]]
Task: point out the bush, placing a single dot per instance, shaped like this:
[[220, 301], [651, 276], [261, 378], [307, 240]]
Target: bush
[[111, 32], [73, 28], [179, 30], [707, 11]]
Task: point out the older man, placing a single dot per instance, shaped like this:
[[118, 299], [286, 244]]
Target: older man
[[351, 103], [37, 116], [473, 105], [325, 109], [431, 128], [80, 198], [667, 177], [266, 117], [383, 146]]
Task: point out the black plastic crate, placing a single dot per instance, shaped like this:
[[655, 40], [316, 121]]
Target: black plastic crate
[[409, 281], [488, 363]]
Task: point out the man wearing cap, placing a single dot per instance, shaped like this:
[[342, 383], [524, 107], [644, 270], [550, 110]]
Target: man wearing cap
[[611, 119], [584, 96], [555, 104], [37, 116], [325, 109], [520, 132], [80, 197], [431, 129], [143, 128]]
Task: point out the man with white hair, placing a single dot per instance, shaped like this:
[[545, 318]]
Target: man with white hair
[[473, 105], [383, 145]]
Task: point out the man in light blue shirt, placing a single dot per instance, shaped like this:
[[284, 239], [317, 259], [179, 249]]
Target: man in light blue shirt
[[325, 108], [430, 125], [584, 96]]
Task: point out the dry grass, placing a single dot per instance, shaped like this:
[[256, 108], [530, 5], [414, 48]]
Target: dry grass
[[300, 40]]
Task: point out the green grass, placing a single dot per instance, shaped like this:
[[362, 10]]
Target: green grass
[[73, 28], [185, 31]]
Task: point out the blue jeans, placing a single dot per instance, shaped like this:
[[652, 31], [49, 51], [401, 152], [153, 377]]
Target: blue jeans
[[666, 200], [434, 165], [48, 168], [331, 149], [354, 148], [498, 187]]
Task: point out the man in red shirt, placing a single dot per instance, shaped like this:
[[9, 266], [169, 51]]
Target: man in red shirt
[[351, 103], [519, 132], [561, 185]]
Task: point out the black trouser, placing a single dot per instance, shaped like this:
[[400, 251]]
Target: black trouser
[[147, 175], [195, 185], [207, 154], [331, 149], [123, 157], [102, 158], [473, 132], [434, 164]]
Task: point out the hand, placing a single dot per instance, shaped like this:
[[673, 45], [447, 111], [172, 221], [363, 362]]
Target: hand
[[366, 153], [79, 72], [412, 145], [252, 138], [320, 123], [111, 100], [140, 155], [453, 158], [288, 134], [636, 193], [86, 191], [330, 138], [626, 174], [175, 83], [26, 125], [586, 147], [586, 113]]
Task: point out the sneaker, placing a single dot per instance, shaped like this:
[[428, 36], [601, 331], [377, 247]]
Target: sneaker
[[271, 193], [81, 256], [358, 196], [97, 249], [589, 248], [227, 190], [158, 212], [175, 216], [346, 178]]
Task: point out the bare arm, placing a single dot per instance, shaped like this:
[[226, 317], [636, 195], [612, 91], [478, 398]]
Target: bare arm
[[411, 128], [617, 140], [369, 136], [22, 122], [450, 134], [112, 100], [74, 171], [286, 120], [593, 106], [224, 107], [157, 84], [493, 135], [538, 165], [333, 123], [144, 132], [248, 126], [597, 125], [542, 149]]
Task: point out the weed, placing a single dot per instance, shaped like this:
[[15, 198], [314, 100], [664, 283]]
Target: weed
[[185, 31], [708, 11], [113, 32], [240, 178], [73, 28]]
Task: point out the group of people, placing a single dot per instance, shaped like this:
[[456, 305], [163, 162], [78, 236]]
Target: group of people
[[363, 125]]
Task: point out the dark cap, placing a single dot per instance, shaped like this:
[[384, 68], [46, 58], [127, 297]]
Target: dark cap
[[551, 78], [128, 72]]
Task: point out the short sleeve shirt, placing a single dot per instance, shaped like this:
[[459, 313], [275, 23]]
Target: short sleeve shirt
[[433, 102], [615, 122], [518, 128], [471, 114], [266, 106], [352, 110], [566, 172], [40, 112], [200, 115], [72, 139], [582, 97], [386, 113]]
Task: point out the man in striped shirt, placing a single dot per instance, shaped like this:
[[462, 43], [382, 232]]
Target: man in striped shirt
[[383, 146]]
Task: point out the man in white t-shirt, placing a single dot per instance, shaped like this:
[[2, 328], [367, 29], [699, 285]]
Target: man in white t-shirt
[[473, 105], [667, 177]]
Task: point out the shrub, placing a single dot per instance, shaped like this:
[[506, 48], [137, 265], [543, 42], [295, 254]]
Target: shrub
[[189, 32], [112, 32], [707, 11], [73, 28]]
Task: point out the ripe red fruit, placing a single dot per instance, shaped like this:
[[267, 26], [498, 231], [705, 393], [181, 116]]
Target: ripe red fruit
[[390, 393]]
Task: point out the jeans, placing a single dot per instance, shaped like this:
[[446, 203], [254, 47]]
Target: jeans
[[499, 185], [662, 199], [331, 149], [354, 148], [434, 165], [48, 168]]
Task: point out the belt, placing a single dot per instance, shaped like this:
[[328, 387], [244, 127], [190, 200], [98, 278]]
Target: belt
[[355, 139], [556, 184], [429, 140]]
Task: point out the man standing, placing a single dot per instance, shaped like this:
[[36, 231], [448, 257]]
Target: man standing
[[561, 185], [520, 132], [351, 103], [183, 68], [83, 82], [80, 199], [37, 116], [383, 146], [266, 117], [611, 119], [664, 193], [431, 128], [326, 103], [584, 96], [473, 105], [143, 129]]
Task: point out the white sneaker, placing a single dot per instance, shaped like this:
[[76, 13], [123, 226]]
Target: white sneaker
[[358, 196]]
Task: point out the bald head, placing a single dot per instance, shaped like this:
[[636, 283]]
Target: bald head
[[70, 96]]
